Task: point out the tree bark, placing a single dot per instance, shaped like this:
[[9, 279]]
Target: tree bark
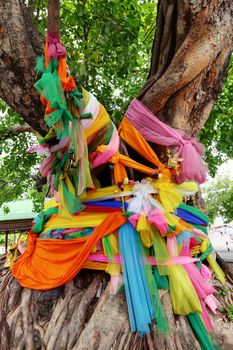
[[190, 55], [189, 59], [53, 16], [20, 44]]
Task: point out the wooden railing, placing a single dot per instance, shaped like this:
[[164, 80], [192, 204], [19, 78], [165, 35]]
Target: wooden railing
[[13, 227]]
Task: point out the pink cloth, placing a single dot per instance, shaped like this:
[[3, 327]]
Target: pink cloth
[[157, 217], [177, 260], [204, 292], [205, 271], [97, 158], [172, 245], [39, 149], [200, 284], [133, 219], [153, 130], [55, 49], [206, 318], [212, 302], [46, 164]]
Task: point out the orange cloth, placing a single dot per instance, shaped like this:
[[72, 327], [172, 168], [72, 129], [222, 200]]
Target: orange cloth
[[93, 265], [120, 162], [133, 138], [67, 82], [50, 263]]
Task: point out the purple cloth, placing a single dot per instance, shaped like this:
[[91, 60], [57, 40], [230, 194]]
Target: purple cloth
[[153, 130], [55, 49]]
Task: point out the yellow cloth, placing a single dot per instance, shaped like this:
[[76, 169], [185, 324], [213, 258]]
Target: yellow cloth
[[101, 120], [83, 219], [144, 228], [170, 195], [184, 298]]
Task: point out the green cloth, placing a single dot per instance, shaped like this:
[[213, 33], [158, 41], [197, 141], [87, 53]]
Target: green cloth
[[201, 333], [41, 219], [195, 212]]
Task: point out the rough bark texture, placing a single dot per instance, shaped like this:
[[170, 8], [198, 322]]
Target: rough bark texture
[[20, 44], [189, 58], [84, 315], [53, 16]]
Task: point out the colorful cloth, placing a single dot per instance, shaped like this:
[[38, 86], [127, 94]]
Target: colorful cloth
[[140, 232]]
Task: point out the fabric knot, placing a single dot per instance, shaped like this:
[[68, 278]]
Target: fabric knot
[[53, 38], [76, 96], [55, 49], [184, 142], [115, 158], [56, 115], [57, 104]]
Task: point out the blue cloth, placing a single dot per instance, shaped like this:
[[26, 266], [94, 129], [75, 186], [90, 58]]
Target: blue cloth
[[140, 306], [186, 216], [110, 204], [184, 236]]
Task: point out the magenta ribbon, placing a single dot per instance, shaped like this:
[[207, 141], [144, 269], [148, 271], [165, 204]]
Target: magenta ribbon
[[153, 130], [55, 49], [183, 260]]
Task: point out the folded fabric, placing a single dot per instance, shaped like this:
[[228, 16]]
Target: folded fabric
[[50, 263], [189, 149]]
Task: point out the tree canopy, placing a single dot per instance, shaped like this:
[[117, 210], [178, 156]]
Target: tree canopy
[[219, 197]]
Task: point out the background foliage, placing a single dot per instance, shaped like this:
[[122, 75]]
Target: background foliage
[[219, 198], [217, 135], [108, 43]]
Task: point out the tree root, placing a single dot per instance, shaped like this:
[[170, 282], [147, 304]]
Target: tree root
[[84, 315]]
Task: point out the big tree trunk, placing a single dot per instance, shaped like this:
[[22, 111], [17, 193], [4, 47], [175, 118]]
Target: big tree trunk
[[189, 58]]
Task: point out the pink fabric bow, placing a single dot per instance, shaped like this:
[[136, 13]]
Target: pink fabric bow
[[157, 217], [55, 49], [153, 130], [133, 219]]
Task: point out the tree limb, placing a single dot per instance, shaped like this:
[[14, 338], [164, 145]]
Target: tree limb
[[20, 45], [22, 128], [14, 131], [203, 43]]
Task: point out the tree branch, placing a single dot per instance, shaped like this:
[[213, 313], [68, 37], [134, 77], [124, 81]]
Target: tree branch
[[20, 45], [19, 129], [9, 133], [198, 51]]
